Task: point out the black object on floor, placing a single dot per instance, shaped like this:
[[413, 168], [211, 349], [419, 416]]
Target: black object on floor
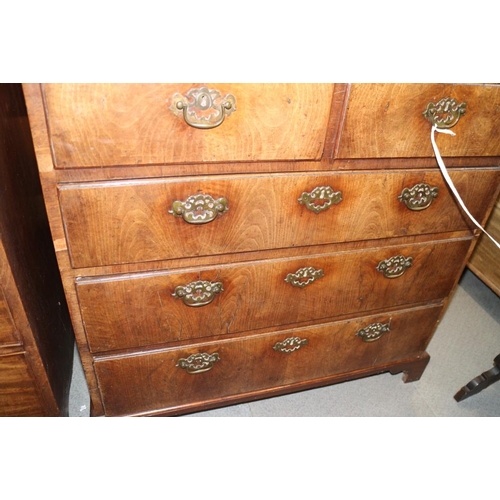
[[481, 382]]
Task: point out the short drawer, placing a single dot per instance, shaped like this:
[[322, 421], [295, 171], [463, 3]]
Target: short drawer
[[140, 310], [387, 120], [139, 221], [100, 125], [202, 373]]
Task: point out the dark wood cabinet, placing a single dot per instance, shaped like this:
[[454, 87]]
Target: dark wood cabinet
[[36, 337]]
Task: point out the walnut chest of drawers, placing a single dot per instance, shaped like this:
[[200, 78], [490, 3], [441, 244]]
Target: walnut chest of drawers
[[220, 243]]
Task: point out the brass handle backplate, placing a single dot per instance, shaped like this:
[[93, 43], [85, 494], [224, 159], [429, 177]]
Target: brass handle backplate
[[198, 293], [373, 332], [304, 276], [445, 113], [199, 208], [202, 107], [198, 363], [290, 344], [419, 197], [395, 266], [321, 198]]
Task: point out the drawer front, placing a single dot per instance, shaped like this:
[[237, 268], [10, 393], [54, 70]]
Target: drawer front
[[387, 121], [209, 371], [124, 222], [18, 394], [155, 308], [96, 125]]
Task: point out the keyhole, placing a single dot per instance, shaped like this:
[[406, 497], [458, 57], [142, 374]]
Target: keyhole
[[204, 101]]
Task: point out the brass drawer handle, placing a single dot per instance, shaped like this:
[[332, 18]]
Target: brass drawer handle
[[419, 197], [446, 113], [395, 266], [373, 332], [304, 276], [199, 208], [198, 293], [321, 198], [202, 107], [198, 363], [290, 344]]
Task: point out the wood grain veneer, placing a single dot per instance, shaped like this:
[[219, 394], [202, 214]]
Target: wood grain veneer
[[124, 124], [123, 222], [392, 124], [251, 364], [139, 310]]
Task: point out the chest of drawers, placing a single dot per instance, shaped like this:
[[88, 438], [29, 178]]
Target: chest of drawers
[[221, 243]]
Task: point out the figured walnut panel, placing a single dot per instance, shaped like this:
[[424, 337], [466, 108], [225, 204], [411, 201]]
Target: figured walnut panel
[[131, 124], [140, 310], [125, 222], [252, 363], [386, 121]]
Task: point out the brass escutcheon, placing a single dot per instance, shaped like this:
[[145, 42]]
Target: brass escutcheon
[[321, 198], [198, 293], [373, 332], [198, 363], [419, 197], [199, 208], [445, 113], [202, 107], [290, 344], [395, 266], [304, 276]]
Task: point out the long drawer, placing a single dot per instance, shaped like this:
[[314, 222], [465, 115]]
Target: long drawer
[[134, 310], [149, 220], [100, 125], [172, 378]]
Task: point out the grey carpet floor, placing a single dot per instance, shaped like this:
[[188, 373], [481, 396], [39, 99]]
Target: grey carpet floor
[[463, 347]]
